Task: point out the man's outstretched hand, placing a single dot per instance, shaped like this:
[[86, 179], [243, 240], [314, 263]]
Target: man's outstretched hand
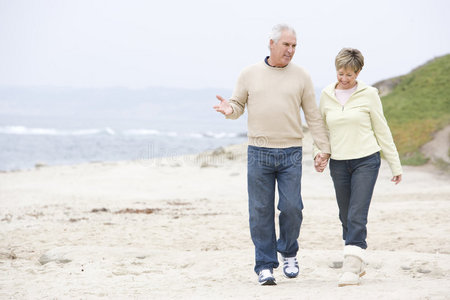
[[223, 107]]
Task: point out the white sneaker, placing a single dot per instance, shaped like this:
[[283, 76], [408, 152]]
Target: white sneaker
[[265, 277], [290, 267]]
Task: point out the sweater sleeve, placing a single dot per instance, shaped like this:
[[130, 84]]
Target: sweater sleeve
[[383, 135], [314, 118], [239, 98]]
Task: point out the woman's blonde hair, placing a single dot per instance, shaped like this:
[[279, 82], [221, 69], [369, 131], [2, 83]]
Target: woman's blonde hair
[[349, 58]]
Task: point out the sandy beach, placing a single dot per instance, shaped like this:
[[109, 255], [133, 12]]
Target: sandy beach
[[177, 228]]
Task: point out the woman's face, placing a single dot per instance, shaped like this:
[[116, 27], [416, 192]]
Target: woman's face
[[346, 78]]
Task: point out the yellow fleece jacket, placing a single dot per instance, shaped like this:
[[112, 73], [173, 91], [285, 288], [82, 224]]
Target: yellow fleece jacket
[[358, 128], [273, 97]]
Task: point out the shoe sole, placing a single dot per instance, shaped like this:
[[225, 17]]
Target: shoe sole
[[347, 284], [269, 282]]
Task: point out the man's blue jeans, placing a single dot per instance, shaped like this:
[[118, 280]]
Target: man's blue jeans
[[265, 167], [354, 181]]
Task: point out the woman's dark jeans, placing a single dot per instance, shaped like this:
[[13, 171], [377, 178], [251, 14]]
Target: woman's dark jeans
[[354, 181]]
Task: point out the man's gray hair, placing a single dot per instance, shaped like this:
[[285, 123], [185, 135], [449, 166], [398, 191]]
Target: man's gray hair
[[278, 29]]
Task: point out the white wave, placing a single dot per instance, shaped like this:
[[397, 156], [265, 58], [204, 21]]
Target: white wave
[[142, 132], [84, 132], [109, 131], [22, 130], [196, 135], [150, 132], [172, 134], [220, 135]]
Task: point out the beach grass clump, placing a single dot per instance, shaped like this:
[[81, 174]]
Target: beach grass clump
[[417, 107]]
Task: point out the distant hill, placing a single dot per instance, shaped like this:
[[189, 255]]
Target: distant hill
[[417, 107]]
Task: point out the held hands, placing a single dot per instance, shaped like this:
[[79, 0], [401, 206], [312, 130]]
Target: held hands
[[321, 161], [223, 107]]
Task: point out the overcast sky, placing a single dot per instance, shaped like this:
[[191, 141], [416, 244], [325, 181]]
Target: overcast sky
[[204, 44]]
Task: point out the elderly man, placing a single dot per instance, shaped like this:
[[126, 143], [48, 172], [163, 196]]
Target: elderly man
[[273, 91]]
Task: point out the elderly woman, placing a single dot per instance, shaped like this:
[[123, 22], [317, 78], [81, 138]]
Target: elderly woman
[[357, 128]]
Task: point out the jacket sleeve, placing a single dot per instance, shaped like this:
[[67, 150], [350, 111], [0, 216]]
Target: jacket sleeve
[[383, 134]]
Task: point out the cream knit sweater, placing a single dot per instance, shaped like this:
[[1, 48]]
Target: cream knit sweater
[[273, 97]]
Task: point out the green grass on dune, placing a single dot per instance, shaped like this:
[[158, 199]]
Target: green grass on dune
[[419, 106]]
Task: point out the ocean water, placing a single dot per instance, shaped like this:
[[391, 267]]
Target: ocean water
[[45, 126]]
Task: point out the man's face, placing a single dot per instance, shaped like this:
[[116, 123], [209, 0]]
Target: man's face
[[283, 51]]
